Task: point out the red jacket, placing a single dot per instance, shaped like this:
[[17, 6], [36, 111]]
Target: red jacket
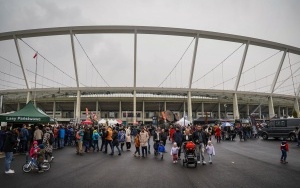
[[172, 131], [284, 146], [34, 152], [218, 131]]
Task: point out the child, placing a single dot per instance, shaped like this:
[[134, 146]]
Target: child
[[174, 152], [210, 151], [284, 147], [137, 145], [34, 152], [161, 149]]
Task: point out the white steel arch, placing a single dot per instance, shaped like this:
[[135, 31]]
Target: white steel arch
[[14, 35]]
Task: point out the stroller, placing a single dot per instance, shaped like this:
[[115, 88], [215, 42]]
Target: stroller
[[159, 149], [189, 151]]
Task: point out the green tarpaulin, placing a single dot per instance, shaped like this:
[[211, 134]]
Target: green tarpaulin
[[28, 114]]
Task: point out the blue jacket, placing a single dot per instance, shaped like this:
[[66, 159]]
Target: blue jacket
[[95, 136], [25, 134], [178, 136], [161, 148], [121, 136], [62, 133]]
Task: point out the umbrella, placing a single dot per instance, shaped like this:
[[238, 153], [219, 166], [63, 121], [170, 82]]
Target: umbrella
[[87, 122], [227, 124], [183, 122], [119, 121], [102, 121]]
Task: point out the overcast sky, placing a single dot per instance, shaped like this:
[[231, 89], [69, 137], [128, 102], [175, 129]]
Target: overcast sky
[[273, 20]]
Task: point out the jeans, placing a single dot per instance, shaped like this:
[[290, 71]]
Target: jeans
[[61, 142], [1, 144], [210, 157], [86, 144], [96, 145], [128, 145], [283, 155], [110, 144], [137, 150], [200, 151], [112, 152], [8, 159], [149, 146], [144, 151], [24, 147]]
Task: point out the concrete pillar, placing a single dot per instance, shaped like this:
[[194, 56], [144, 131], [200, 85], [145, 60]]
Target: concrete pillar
[[74, 114], [28, 97], [120, 109], [248, 110], [1, 104], [97, 109], [18, 107], [190, 112], [184, 109], [143, 113], [296, 106], [202, 109], [165, 106], [78, 111], [287, 111], [54, 109], [271, 107], [236, 113], [278, 113], [134, 106], [260, 112], [219, 110]]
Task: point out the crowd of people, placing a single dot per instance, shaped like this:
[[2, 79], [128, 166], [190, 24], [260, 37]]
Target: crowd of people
[[108, 139]]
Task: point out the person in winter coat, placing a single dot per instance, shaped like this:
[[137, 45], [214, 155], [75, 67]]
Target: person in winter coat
[[164, 136], [96, 137], [137, 145], [218, 133], [108, 139], [284, 147], [177, 137], [128, 138], [199, 138], [210, 151], [122, 138], [47, 145], [172, 131], [115, 142], [144, 142], [8, 147]]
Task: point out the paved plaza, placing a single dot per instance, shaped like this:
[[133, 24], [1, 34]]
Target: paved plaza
[[254, 163]]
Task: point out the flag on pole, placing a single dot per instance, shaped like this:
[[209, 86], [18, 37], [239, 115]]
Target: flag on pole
[[35, 55]]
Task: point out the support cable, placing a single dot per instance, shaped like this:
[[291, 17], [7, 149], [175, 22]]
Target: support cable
[[218, 64], [177, 63], [291, 73], [50, 62], [91, 61]]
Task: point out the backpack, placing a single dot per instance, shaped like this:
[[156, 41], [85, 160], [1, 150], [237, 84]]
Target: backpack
[[77, 135], [51, 139], [122, 137], [21, 135]]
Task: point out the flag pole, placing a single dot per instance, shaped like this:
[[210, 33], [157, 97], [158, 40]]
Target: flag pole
[[36, 57]]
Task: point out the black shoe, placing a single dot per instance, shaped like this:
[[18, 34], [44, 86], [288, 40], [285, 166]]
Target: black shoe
[[119, 154], [111, 154]]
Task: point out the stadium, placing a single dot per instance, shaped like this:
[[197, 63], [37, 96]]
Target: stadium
[[195, 74]]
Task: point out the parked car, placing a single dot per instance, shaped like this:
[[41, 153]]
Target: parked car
[[281, 128]]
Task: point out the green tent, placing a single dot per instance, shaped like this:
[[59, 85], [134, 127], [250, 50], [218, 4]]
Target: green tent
[[28, 114]]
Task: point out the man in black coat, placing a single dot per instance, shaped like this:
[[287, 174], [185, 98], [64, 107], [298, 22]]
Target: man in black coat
[[177, 137], [9, 144], [199, 138]]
